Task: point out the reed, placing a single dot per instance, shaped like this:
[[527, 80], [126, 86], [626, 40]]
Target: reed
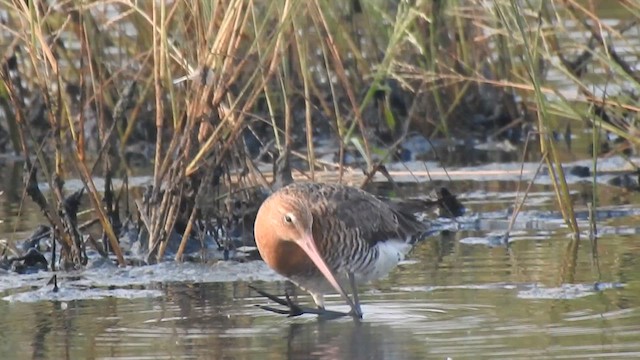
[[100, 79]]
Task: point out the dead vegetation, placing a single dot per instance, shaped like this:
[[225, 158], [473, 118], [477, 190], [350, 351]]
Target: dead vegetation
[[94, 89]]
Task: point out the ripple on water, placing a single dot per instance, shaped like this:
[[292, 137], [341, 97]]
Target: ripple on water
[[465, 295], [566, 291]]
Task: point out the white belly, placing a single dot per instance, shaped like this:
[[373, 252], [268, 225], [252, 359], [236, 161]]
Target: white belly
[[390, 253]]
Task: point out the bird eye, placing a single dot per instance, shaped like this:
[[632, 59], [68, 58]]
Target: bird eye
[[288, 218]]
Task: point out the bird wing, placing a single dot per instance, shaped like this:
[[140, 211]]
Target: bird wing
[[376, 220], [355, 213]]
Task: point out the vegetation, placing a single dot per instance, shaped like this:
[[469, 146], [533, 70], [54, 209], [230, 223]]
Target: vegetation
[[87, 87]]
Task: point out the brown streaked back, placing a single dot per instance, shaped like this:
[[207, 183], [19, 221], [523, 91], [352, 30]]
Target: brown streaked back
[[338, 208]]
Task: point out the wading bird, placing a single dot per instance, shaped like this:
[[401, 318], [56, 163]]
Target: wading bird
[[327, 237]]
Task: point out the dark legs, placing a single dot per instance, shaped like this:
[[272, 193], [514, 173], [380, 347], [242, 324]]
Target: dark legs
[[356, 298], [297, 310]]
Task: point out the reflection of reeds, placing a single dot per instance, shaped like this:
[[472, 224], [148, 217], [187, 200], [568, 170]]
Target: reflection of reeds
[[106, 70]]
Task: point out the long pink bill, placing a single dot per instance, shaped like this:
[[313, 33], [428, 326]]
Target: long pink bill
[[309, 246]]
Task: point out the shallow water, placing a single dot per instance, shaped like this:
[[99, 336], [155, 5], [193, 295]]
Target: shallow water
[[453, 300], [462, 294]]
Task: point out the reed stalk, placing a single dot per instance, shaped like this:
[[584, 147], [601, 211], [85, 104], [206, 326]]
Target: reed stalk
[[106, 72]]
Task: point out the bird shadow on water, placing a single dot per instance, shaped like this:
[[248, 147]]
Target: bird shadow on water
[[348, 340]]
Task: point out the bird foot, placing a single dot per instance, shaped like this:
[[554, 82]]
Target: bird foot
[[297, 310]]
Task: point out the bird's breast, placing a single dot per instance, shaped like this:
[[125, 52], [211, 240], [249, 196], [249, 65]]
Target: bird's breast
[[288, 259]]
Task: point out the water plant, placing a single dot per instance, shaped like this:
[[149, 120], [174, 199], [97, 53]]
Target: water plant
[[93, 88]]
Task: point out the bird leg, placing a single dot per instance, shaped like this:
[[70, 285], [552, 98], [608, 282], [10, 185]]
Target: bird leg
[[295, 309], [356, 298]]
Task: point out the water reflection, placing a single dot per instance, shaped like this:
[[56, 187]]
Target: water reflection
[[358, 341], [42, 329], [454, 302], [453, 298]]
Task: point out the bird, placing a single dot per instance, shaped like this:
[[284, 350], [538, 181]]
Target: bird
[[327, 237]]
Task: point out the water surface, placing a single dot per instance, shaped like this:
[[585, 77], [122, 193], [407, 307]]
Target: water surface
[[460, 295]]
